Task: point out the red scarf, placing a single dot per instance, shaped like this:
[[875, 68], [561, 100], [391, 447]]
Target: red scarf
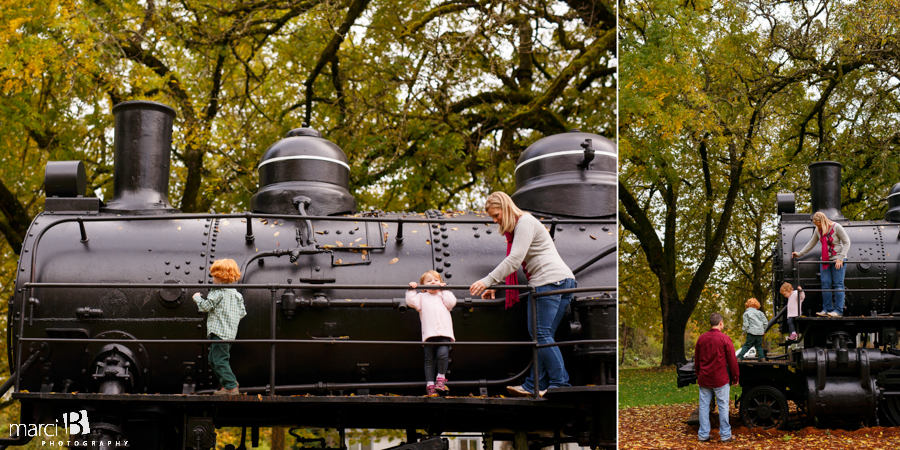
[[827, 241], [512, 295]]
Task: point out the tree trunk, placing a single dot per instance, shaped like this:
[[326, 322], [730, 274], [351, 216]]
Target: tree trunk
[[277, 438], [675, 319]]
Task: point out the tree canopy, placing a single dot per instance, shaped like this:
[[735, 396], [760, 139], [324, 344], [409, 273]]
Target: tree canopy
[[723, 104]]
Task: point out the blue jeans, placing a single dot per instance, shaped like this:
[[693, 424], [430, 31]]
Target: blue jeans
[[550, 312], [833, 279], [706, 395]]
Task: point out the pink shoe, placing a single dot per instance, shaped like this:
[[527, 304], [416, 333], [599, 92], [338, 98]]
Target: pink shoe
[[441, 386], [429, 391], [792, 337]]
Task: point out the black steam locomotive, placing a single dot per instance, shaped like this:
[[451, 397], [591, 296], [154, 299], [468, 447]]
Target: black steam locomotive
[[846, 367], [101, 324]]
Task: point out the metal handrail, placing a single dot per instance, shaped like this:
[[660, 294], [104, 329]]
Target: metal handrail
[[797, 261], [273, 341], [273, 288], [501, 287], [397, 219]]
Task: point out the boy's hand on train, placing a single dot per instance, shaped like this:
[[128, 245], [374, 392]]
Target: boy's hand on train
[[488, 294], [196, 294], [838, 264], [413, 284]]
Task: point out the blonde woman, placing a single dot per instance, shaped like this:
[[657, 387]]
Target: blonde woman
[[529, 244], [835, 245]]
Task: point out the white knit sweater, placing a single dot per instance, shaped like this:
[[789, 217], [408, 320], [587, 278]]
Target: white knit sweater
[[434, 312]]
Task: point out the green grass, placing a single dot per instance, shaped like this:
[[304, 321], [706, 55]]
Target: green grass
[[656, 386]]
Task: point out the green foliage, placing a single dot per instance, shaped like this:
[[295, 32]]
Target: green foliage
[[656, 386]]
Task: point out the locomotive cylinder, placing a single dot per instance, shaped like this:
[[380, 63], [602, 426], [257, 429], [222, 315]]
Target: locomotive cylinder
[[859, 361], [846, 396]]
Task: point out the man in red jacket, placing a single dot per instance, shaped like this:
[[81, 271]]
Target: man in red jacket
[[716, 367]]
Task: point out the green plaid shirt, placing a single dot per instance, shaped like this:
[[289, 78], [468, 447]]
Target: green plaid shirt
[[226, 309]]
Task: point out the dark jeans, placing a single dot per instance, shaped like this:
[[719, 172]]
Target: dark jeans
[[550, 312], [441, 353], [791, 327], [753, 340], [219, 356]]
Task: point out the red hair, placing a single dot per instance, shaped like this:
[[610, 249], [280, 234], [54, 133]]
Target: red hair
[[752, 303], [225, 270]]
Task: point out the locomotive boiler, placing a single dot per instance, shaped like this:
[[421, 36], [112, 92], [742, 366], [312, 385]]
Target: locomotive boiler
[[845, 367], [101, 321]]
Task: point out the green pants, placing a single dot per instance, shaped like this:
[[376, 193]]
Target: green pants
[[753, 340], [219, 355]]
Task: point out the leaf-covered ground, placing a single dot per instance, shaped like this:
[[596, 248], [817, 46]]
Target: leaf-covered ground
[[664, 427]]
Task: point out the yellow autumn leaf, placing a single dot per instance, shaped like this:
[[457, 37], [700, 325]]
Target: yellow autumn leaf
[[393, 261]]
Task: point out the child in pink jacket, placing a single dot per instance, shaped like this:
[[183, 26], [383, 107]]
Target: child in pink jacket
[[434, 307]]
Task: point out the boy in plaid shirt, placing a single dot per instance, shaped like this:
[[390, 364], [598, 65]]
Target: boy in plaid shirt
[[226, 308]]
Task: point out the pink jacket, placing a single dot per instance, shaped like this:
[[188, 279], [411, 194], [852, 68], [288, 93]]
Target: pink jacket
[[794, 302], [434, 312]]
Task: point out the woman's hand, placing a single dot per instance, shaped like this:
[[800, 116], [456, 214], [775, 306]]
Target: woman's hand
[[477, 288], [794, 255], [413, 284], [838, 264], [488, 294]]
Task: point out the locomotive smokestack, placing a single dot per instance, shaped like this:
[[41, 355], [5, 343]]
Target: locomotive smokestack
[[825, 188], [143, 145], [893, 213]]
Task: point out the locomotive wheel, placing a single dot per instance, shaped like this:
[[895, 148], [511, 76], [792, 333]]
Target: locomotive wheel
[[764, 407], [890, 406]]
